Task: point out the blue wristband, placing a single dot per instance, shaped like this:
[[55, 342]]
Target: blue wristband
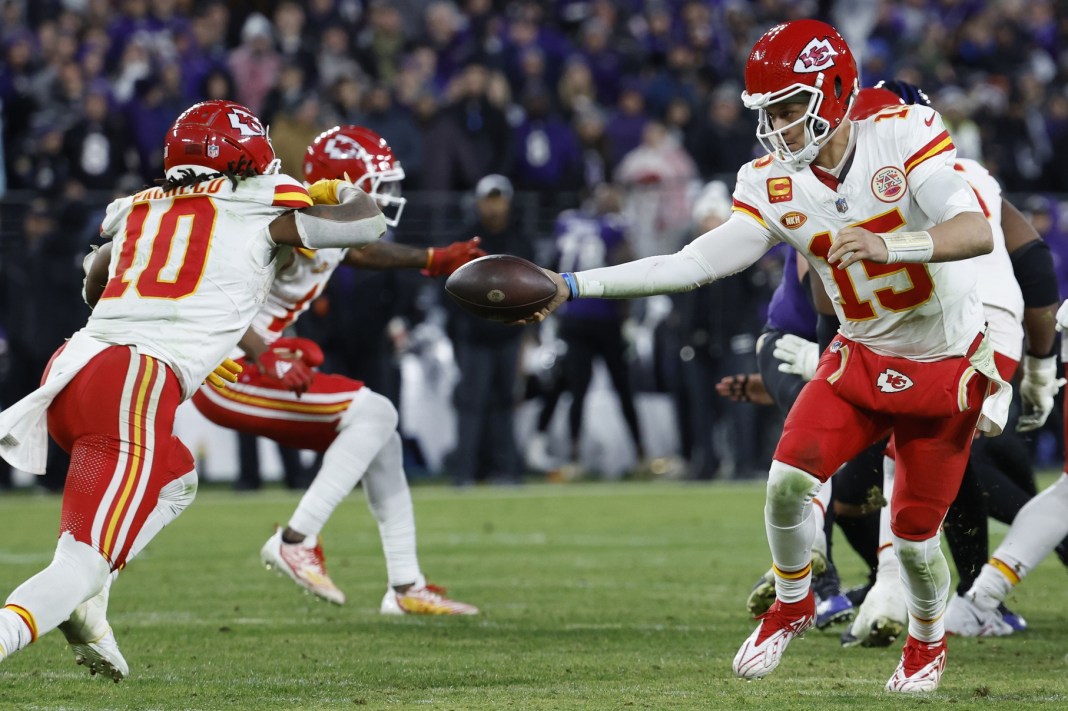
[[572, 285]]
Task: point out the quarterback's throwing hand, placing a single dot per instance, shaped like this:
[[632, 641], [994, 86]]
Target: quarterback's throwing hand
[[562, 294], [854, 244]]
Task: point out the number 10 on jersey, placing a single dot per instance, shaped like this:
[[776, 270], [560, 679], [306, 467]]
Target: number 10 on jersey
[[192, 217]]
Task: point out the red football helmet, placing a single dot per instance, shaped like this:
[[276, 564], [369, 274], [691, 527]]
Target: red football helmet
[[364, 158], [211, 136], [805, 61], [872, 100]]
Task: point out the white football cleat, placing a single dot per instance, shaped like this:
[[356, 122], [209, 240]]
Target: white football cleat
[[92, 640], [921, 666], [882, 617], [425, 600], [761, 653], [966, 619], [305, 566]]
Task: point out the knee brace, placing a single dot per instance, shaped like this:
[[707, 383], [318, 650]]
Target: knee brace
[[175, 497], [790, 490], [370, 408]]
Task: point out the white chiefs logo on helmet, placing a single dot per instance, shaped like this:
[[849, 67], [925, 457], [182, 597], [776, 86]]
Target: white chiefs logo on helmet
[[817, 55], [343, 148], [245, 122], [891, 381]]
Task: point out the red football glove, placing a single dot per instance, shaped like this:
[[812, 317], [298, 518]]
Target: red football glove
[[286, 367], [443, 261], [305, 349]]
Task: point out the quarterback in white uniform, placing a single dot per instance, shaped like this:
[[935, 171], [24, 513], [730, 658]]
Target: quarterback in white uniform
[[878, 211]]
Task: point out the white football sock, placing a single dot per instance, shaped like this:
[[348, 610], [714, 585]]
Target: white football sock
[[819, 517], [77, 573], [888, 563], [990, 588], [1039, 526], [174, 498], [390, 502], [364, 428], [925, 574], [791, 529]]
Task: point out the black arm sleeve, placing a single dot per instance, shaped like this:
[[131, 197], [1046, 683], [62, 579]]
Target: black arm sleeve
[[1033, 266], [826, 330]]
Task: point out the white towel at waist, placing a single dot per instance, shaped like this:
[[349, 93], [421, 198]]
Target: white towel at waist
[[24, 425]]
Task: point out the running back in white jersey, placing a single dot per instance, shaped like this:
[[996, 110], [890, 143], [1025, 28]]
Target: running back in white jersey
[[919, 311], [300, 278], [190, 269]]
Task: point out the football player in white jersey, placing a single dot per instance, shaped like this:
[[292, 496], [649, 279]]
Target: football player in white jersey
[[1026, 303], [192, 263], [878, 211], [1018, 253], [281, 396]]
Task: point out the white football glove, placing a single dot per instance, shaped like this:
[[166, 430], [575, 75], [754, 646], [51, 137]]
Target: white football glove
[[798, 356], [1037, 390], [1062, 316]]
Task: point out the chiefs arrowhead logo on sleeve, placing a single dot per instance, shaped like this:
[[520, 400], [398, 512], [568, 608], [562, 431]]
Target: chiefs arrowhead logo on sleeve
[[817, 55], [780, 190]]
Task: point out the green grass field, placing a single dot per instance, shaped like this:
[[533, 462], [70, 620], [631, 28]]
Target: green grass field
[[594, 597]]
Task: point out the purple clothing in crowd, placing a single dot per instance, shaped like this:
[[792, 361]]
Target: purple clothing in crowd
[[586, 241], [547, 155], [790, 310]]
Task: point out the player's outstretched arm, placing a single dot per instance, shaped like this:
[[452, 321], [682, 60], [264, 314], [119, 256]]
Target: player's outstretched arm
[[355, 222], [437, 261], [722, 251]]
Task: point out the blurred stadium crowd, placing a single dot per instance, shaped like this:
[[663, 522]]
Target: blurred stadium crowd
[[561, 97]]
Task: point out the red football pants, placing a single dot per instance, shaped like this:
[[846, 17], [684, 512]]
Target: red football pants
[[115, 419], [824, 430], [261, 406]]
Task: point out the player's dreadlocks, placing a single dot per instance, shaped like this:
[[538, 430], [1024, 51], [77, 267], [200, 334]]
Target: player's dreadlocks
[[235, 172]]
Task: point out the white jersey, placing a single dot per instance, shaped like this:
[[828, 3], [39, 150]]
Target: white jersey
[[190, 269], [299, 280], [918, 311], [998, 289]]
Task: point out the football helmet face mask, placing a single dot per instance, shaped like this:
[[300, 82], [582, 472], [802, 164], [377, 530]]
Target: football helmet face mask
[[363, 157], [807, 62], [216, 136]]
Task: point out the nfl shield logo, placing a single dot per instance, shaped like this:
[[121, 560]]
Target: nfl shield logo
[[842, 205], [213, 151]]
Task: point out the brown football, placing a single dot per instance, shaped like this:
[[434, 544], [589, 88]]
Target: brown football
[[501, 287]]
